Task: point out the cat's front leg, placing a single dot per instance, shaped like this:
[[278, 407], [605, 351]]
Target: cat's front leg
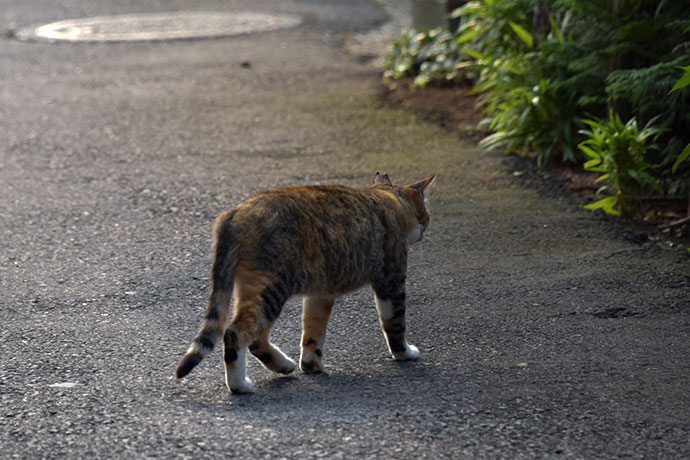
[[315, 314], [391, 307]]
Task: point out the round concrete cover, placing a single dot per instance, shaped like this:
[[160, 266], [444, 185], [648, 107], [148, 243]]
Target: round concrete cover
[[162, 26]]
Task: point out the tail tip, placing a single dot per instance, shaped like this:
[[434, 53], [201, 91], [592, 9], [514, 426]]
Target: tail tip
[[187, 363]]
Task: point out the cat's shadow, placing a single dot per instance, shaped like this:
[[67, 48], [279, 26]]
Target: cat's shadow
[[359, 386], [347, 389]]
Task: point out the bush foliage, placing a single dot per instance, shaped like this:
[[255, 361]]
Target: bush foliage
[[606, 65], [618, 151]]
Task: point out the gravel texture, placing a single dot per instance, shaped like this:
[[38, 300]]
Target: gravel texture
[[546, 331]]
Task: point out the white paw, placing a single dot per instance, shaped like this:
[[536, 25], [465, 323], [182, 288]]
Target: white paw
[[314, 366], [288, 365], [310, 362], [411, 352], [245, 386]]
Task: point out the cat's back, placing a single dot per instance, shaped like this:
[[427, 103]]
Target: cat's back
[[330, 237], [328, 205]]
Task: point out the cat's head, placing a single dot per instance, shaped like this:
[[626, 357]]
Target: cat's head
[[413, 195]]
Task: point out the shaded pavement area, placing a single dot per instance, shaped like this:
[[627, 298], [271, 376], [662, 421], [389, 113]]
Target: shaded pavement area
[[545, 330]]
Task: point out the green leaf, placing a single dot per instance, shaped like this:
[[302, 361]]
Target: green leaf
[[556, 30], [601, 178], [521, 32], [682, 157], [682, 83], [606, 204], [639, 176], [590, 153], [468, 36], [473, 54], [591, 164]]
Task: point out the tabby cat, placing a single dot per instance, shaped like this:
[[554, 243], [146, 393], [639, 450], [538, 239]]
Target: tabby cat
[[318, 242]]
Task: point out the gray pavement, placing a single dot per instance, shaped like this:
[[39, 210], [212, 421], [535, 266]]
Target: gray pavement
[[546, 331]]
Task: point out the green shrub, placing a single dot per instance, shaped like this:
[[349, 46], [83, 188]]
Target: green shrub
[[618, 151], [682, 83], [530, 116], [430, 56], [495, 27], [599, 55], [534, 99], [638, 45]]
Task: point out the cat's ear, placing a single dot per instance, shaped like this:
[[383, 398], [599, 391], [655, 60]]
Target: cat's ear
[[423, 184], [382, 179]]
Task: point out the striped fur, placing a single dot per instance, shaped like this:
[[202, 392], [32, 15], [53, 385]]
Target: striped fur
[[318, 242], [222, 278]]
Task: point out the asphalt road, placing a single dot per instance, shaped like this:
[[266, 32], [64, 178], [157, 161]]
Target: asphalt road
[[545, 330]]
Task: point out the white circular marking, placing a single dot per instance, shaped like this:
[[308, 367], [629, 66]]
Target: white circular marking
[[161, 26]]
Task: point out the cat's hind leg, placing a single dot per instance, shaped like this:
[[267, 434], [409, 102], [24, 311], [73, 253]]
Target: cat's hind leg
[[235, 360], [258, 302], [315, 314], [390, 304], [271, 356]]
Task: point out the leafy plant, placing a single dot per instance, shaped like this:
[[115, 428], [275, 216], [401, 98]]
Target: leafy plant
[[536, 90], [531, 116], [617, 150], [638, 45], [533, 99], [429, 56], [655, 100], [682, 83], [495, 28]]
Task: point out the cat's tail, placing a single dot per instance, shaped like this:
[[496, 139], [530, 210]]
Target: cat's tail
[[222, 276]]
